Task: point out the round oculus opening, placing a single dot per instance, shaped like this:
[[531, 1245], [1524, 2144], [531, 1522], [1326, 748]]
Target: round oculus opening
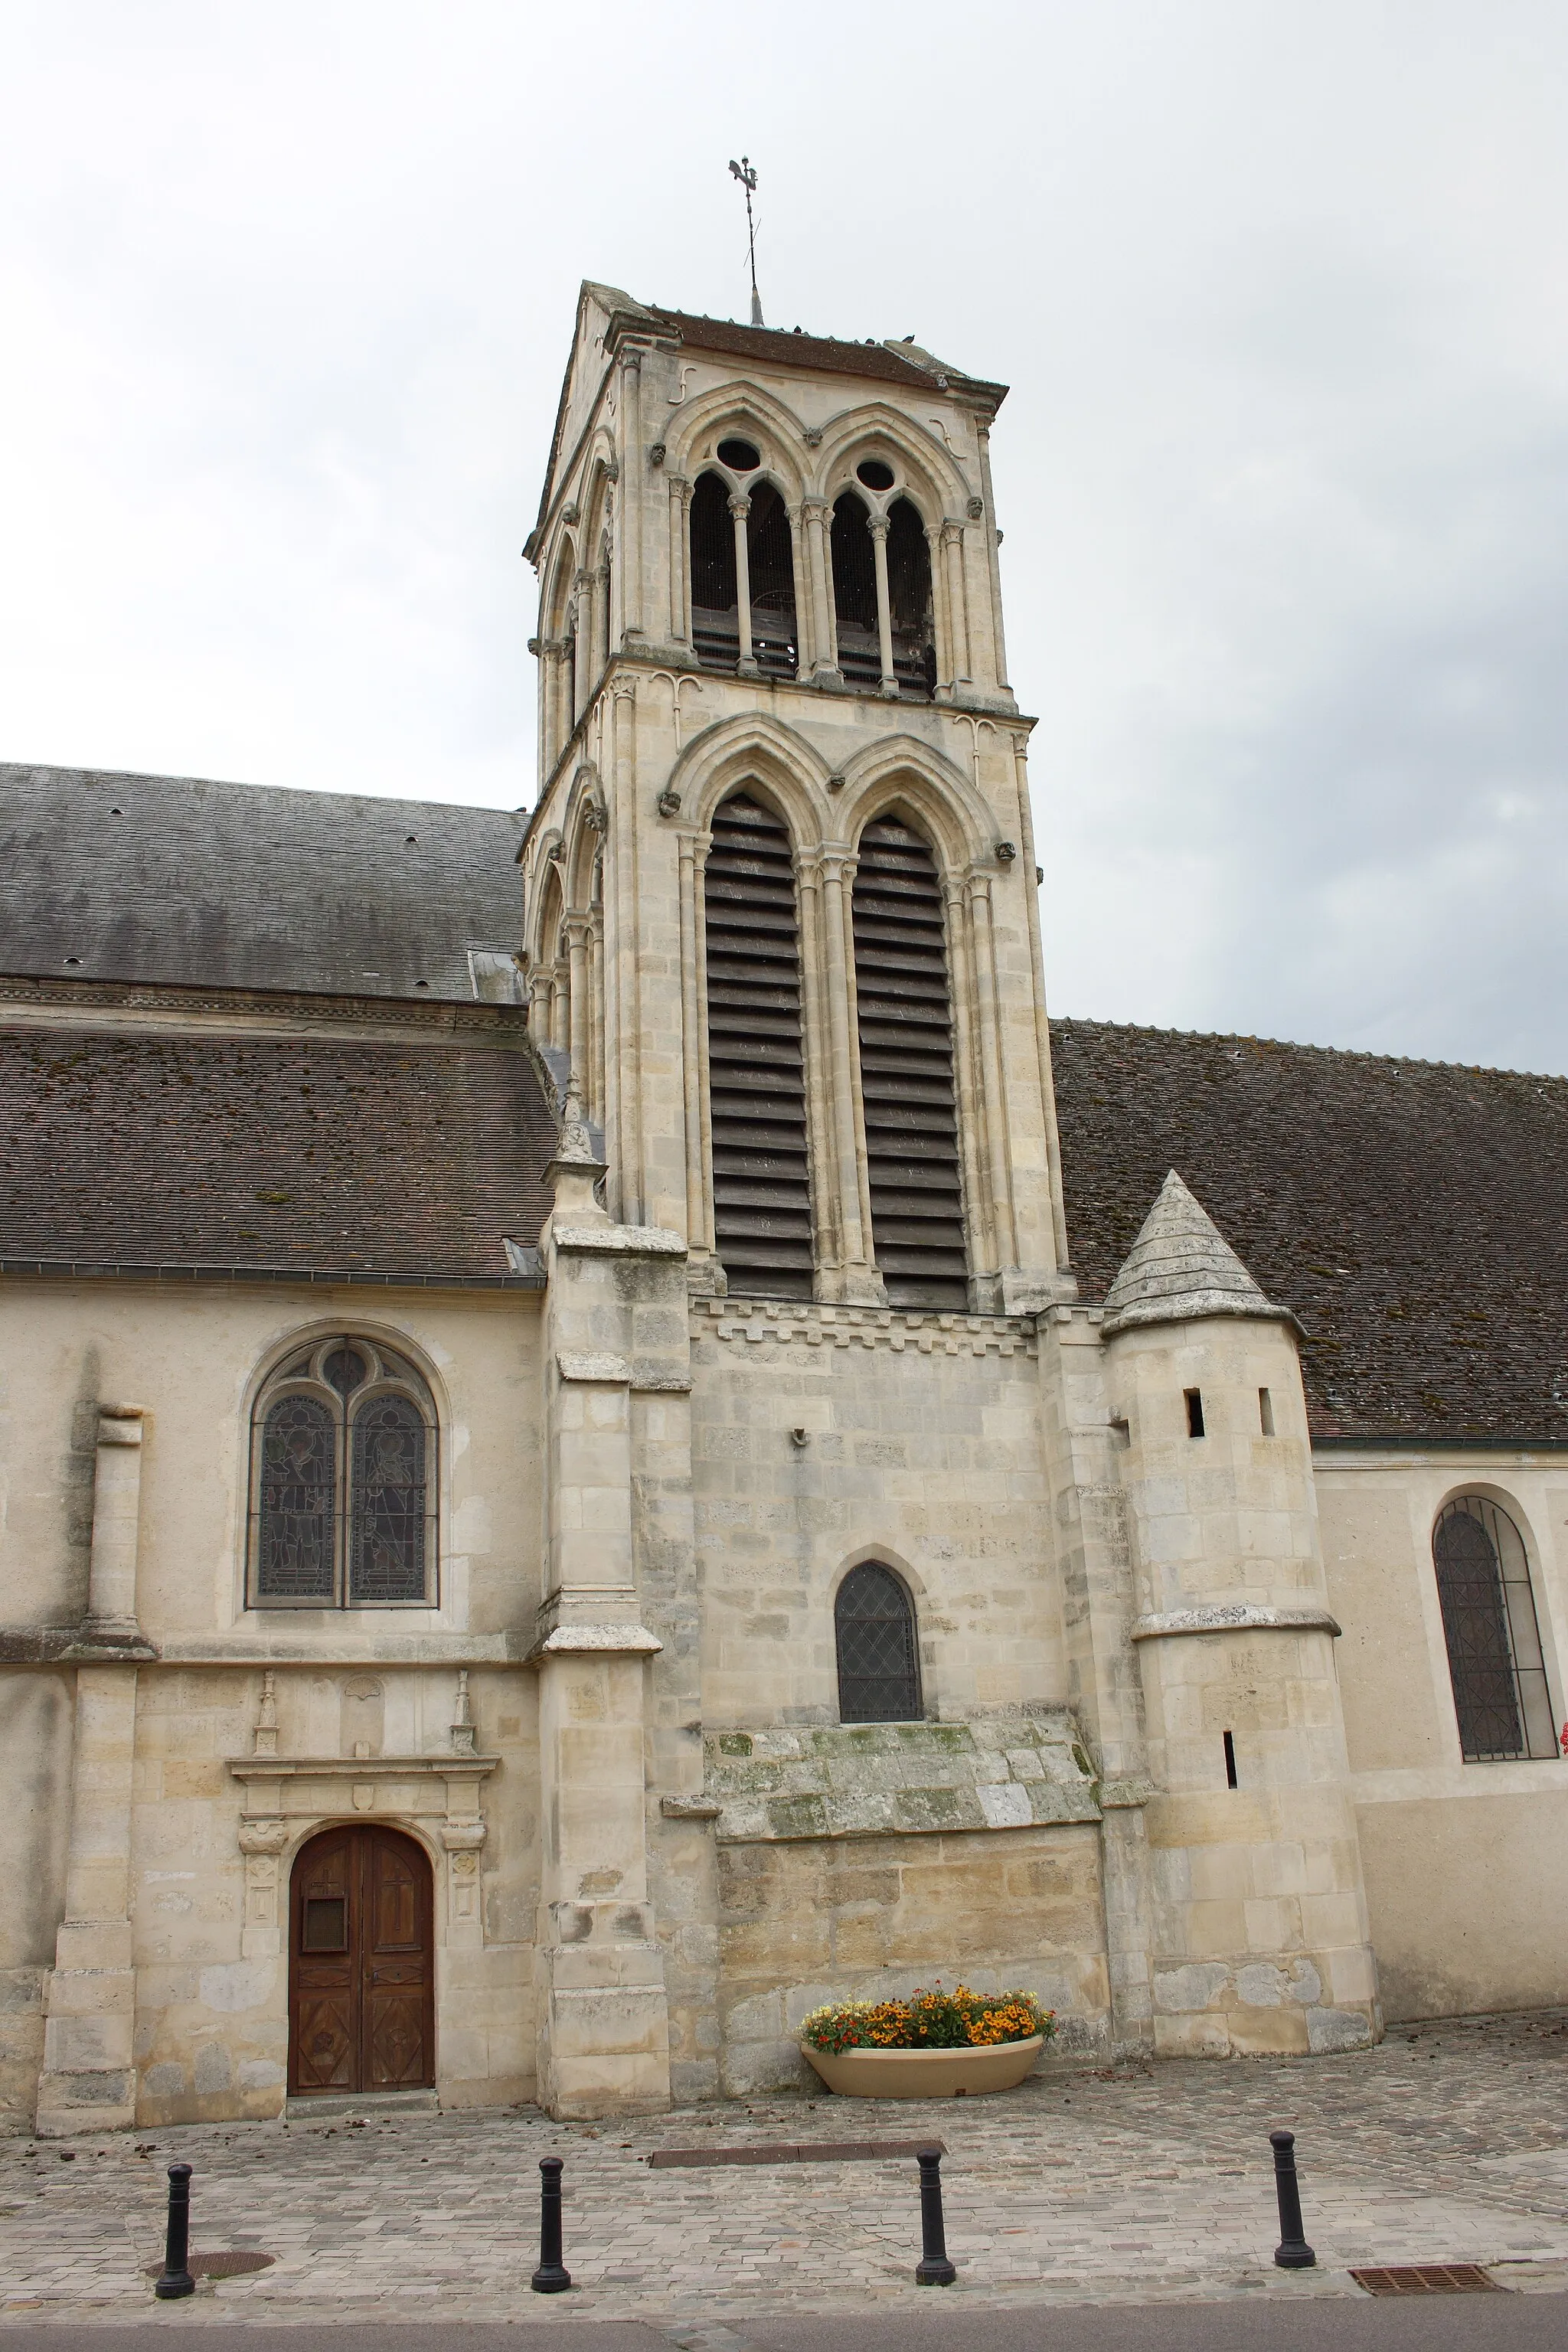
[[740, 457], [876, 473]]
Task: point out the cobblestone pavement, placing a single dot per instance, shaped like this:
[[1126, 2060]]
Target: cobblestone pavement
[[1136, 2183]]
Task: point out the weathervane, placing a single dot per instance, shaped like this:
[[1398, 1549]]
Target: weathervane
[[748, 179]]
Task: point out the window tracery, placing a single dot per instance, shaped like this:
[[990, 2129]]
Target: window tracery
[[343, 1481]]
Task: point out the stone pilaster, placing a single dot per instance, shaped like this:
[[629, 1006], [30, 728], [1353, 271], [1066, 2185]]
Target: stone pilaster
[[88, 2082]]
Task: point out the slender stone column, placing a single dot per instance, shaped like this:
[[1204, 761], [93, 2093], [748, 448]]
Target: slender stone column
[[740, 509], [798, 575], [859, 1281], [679, 613], [988, 1011], [994, 560], [824, 647], [878, 526], [828, 1248], [1042, 1026], [578, 1010], [971, 1134], [957, 602], [596, 1078], [632, 506], [588, 659]]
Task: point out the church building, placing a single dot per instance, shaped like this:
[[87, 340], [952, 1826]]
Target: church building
[[604, 1435]]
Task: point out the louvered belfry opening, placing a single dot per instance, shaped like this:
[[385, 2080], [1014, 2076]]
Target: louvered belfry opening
[[756, 1072], [906, 1070]]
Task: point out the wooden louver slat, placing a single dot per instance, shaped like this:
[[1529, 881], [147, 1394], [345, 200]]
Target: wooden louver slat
[[756, 1074], [906, 1070]]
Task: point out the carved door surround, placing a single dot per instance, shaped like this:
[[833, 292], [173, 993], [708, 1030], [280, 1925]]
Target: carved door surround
[[362, 1963], [287, 1796]]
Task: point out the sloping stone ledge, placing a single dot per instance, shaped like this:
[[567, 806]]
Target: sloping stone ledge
[[908, 1780], [1234, 1617]]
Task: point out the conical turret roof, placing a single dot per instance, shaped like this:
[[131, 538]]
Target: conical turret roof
[[1181, 1266]]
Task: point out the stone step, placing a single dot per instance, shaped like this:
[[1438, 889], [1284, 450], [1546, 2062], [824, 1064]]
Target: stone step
[[334, 2106]]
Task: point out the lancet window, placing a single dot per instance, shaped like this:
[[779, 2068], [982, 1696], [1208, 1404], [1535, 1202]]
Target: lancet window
[[762, 1193], [905, 1015], [878, 1657], [1500, 1693], [343, 1481], [882, 592], [742, 571]]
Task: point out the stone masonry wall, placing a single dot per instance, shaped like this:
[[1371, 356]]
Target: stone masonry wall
[[832, 1919]]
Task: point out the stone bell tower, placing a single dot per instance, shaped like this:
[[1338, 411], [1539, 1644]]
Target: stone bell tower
[[774, 714], [784, 971]]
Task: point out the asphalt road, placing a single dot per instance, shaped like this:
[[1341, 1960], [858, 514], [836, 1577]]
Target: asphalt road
[[1459, 2323]]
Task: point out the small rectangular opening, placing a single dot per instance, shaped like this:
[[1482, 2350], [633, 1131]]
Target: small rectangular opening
[[1265, 1413], [1122, 1432], [325, 1925], [1230, 1761], [1194, 1413]]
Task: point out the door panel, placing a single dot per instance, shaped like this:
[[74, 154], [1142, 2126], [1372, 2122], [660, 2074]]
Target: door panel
[[362, 1964]]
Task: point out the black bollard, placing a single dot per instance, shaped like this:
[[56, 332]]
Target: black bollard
[[551, 2277], [1292, 2252], [176, 2279], [934, 2268]]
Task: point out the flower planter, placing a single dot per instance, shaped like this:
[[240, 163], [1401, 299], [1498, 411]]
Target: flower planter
[[925, 2074]]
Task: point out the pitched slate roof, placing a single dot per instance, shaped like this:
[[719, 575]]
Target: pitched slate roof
[[117, 877], [294, 1152], [1413, 1215], [780, 347]]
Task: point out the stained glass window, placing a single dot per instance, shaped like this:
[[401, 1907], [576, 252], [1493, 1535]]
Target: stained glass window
[[343, 1481], [298, 1490], [386, 1543], [1500, 1693], [878, 1665]]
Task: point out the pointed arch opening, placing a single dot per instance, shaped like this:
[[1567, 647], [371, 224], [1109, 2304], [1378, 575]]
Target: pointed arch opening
[[905, 1024], [761, 1191], [878, 1652], [715, 599], [855, 593], [1500, 1695], [771, 563], [910, 601]]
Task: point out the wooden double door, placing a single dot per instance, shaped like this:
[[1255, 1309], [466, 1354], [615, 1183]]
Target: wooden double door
[[362, 1984]]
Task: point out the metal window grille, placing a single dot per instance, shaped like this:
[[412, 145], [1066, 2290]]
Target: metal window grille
[[879, 1660], [1500, 1693], [756, 1070], [343, 1482], [905, 1019], [715, 597]]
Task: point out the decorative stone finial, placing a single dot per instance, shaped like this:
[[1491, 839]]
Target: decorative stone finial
[[266, 1719], [1181, 1266], [463, 1717]]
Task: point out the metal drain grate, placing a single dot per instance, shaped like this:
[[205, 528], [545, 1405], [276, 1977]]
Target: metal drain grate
[[1429, 2278], [217, 2266], [810, 2151]]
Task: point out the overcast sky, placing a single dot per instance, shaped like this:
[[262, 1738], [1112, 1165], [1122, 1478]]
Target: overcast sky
[[286, 295]]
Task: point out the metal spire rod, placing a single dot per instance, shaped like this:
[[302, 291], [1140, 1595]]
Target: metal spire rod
[[748, 179]]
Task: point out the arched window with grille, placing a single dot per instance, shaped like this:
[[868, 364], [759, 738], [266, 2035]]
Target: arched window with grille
[[904, 1011], [1500, 1693], [878, 1657], [344, 1463]]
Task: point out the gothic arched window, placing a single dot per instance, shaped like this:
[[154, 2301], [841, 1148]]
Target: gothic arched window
[[855, 592], [342, 1481], [1500, 1695], [715, 601], [905, 1019], [756, 1068], [878, 1658]]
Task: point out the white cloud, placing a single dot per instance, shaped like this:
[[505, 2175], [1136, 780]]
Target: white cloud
[[1283, 474]]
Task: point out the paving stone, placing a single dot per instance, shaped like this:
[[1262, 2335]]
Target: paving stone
[[1447, 2144]]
